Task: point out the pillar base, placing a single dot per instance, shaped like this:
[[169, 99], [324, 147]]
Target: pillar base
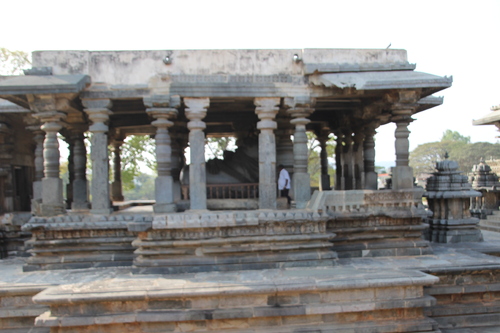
[[267, 196], [324, 184], [116, 191], [371, 180], [80, 206], [164, 208], [101, 211], [51, 210], [402, 177], [301, 187]]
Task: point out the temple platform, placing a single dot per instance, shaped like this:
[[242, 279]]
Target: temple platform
[[456, 289]]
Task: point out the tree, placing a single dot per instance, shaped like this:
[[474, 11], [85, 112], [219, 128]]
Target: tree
[[137, 151], [423, 158], [217, 145], [13, 62], [454, 136], [314, 158]]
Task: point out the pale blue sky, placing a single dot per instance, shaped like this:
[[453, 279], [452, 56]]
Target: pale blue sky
[[442, 37]]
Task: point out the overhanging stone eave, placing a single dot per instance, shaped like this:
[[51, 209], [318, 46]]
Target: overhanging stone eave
[[490, 119], [43, 84], [383, 80]]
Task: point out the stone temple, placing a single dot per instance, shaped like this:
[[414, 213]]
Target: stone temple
[[216, 252]]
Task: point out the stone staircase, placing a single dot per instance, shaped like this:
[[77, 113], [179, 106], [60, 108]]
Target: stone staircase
[[492, 222], [17, 310]]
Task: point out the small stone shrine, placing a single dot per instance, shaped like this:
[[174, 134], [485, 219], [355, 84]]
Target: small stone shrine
[[485, 181], [448, 194]]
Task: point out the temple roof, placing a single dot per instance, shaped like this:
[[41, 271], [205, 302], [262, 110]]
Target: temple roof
[[43, 84]]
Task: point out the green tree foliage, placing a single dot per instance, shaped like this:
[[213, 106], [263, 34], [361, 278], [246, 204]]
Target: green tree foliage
[[454, 136], [423, 158], [144, 185], [13, 62], [217, 145], [137, 151], [314, 159]]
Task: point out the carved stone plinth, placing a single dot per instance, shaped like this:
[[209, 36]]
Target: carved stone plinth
[[448, 194], [374, 223], [228, 241], [285, 301], [79, 241]]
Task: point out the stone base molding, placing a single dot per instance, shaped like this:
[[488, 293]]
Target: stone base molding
[[231, 241], [292, 300]]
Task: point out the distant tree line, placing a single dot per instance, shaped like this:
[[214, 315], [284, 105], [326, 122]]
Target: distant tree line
[[459, 148]]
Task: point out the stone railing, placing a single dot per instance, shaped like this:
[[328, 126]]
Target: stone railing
[[228, 191], [367, 201]]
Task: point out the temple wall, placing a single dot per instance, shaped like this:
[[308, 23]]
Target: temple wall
[[137, 67]]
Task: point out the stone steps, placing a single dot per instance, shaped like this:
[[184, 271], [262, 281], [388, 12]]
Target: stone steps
[[467, 297], [291, 300], [17, 310]]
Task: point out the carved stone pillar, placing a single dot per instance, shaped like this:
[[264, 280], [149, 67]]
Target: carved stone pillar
[[266, 109], [195, 112], [116, 185], [324, 182], [358, 164], [80, 191], [301, 182], [98, 112], [347, 161], [284, 150], [369, 159], [38, 137], [402, 174], [339, 168], [52, 191], [71, 172], [178, 144], [164, 194]]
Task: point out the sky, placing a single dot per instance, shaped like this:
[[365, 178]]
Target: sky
[[442, 37]]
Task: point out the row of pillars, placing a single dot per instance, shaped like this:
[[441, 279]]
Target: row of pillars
[[355, 166]]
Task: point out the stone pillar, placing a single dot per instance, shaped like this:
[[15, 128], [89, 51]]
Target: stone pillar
[[52, 191], [80, 191], [284, 150], [357, 158], [71, 172], [38, 137], [164, 194], [339, 168], [116, 185], [371, 181], [98, 112], [266, 109], [177, 162], [301, 182], [402, 174], [347, 161], [196, 110], [324, 183]]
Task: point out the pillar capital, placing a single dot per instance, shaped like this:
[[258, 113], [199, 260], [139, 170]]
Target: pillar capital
[[196, 110], [162, 116], [266, 109], [162, 101]]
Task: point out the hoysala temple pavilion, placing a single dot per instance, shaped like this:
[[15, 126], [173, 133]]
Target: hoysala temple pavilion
[[216, 251]]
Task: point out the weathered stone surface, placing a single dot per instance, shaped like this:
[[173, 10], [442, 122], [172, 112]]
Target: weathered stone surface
[[269, 301]]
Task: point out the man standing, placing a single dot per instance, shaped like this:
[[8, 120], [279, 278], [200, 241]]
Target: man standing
[[284, 183]]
